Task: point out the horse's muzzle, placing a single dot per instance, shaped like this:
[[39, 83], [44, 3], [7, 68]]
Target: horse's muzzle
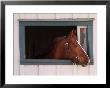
[[83, 62]]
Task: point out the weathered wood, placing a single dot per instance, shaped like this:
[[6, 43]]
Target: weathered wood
[[47, 70], [82, 70], [65, 70], [28, 16], [64, 16], [46, 16], [16, 45], [80, 15], [29, 70]]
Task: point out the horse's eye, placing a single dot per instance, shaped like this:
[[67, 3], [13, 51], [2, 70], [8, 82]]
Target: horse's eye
[[66, 44]]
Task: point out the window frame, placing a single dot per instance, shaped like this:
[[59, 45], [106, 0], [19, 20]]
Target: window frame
[[47, 22]]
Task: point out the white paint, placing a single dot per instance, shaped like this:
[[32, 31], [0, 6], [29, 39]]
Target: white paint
[[78, 33], [46, 16], [28, 70], [16, 45], [81, 15], [47, 69], [64, 16]]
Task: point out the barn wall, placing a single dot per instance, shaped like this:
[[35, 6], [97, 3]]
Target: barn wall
[[52, 69]]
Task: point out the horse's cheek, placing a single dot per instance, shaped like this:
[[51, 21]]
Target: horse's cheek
[[58, 54]]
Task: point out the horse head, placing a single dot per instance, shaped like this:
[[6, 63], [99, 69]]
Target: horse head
[[68, 47], [76, 51]]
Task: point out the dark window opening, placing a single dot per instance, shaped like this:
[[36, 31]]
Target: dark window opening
[[38, 39]]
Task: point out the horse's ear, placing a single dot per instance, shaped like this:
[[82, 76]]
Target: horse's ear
[[71, 33], [75, 31]]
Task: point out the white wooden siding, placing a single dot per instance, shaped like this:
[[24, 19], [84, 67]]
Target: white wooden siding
[[16, 58], [51, 69]]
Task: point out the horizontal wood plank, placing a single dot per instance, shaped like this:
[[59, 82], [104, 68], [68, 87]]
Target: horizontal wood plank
[[29, 70]]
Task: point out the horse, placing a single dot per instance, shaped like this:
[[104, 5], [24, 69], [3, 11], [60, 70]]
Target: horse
[[68, 47]]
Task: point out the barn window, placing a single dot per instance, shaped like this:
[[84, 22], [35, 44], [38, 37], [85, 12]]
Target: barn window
[[36, 36]]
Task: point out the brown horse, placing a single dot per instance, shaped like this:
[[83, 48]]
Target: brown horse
[[67, 47]]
